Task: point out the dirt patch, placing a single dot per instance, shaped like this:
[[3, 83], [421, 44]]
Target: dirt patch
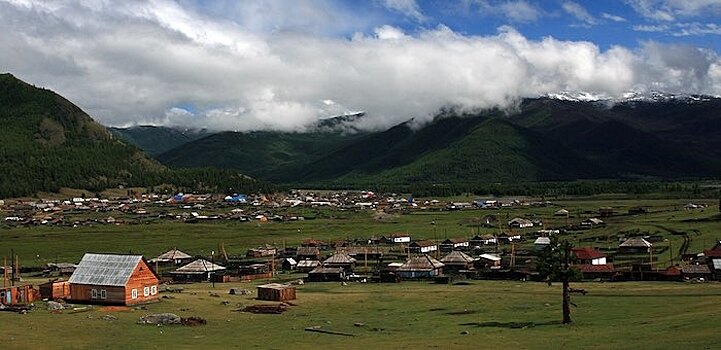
[[266, 308], [512, 325], [114, 308]]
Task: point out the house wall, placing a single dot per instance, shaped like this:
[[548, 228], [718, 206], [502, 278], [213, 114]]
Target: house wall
[[142, 277], [83, 293]]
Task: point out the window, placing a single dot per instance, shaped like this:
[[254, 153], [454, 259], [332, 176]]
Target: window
[[134, 294], [154, 290], [103, 294], [94, 293], [146, 291]]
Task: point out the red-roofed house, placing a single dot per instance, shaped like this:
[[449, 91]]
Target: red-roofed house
[[592, 263]]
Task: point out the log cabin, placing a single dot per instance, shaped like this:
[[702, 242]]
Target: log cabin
[[113, 279]]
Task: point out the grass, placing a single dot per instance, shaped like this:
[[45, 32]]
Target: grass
[[495, 314], [148, 235]]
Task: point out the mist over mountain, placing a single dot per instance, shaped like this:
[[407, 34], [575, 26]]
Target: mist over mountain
[[545, 139]]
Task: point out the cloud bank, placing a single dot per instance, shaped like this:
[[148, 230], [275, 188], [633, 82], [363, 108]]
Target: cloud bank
[[158, 62]]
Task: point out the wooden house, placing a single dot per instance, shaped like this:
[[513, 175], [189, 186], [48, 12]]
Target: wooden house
[[55, 289], [454, 244], [481, 240], [197, 271], [363, 253], [488, 261], [696, 271], [422, 247], [113, 279], [635, 245], [341, 260], [288, 264], [396, 238], [326, 274], [457, 261], [276, 292], [520, 223], [421, 266], [173, 257], [307, 253]]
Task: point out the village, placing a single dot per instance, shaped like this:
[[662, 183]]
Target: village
[[356, 240]]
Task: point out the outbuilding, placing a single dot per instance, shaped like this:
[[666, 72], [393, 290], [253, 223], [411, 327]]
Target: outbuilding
[[276, 292], [113, 279]]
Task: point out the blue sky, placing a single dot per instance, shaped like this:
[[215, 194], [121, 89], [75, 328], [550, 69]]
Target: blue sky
[[282, 64]]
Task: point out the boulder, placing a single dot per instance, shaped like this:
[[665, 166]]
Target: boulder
[[158, 319]]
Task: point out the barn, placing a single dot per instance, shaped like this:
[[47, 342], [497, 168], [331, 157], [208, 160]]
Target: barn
[[113, 279], [276, 292]]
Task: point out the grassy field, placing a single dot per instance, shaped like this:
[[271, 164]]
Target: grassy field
[[410, 315], [496, 315]]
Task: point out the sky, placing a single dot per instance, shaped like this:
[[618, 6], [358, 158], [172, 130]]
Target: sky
[[283, 64]]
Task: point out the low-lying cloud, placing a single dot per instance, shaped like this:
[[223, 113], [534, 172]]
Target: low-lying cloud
[[160, 63]]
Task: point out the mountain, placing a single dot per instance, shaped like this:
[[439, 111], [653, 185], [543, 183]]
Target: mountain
[[49, 143], [158, 139], [264, 154], [544, 139]]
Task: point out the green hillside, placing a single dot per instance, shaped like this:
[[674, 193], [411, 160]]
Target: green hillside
[[267, 155], [544, 140], [155, 140], [49, 143]]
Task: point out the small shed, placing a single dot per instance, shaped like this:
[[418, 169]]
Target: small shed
[[276, 292], [55, 289], [198, 270], [289, 264], [561, 212]]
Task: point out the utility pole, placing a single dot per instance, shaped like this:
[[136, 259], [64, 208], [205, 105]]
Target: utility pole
[[12, 268]]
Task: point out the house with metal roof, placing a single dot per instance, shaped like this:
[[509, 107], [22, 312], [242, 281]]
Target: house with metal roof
[[198, 270], [113, 279], [173, 256], [421, 266]]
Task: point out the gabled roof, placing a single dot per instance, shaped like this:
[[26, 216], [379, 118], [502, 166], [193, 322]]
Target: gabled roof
[[324, 270], [308, 263], [422, 244], [492, 257], [421, 263], [457, 258], [173, 254], [199, 266], [542, 241], [105, 269], [339, 258], [455, 241], [307, 251], [561, 212], [636, 242], [587, 253]]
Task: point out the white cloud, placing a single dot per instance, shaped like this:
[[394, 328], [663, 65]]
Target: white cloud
[[651, 28], [671, 10], [612, 17], [579, 12], [146, 62], [519, 11], [409, 8]]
